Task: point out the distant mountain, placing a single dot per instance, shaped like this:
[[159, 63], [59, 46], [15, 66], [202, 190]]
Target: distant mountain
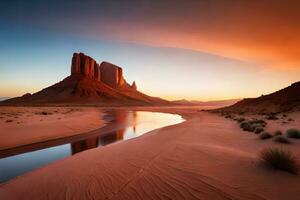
[[90, 83], [218, 103], [4, 98], [184, 102], [287, 99]]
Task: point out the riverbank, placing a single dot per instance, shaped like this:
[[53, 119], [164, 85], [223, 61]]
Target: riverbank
[[205, 157], [26, 125]]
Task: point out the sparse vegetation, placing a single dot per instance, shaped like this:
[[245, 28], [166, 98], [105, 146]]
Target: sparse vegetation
[[278, 132], [240, 119], [272, 117], [280, 159], [265, 135], [9, 121], [293, 133], [281, 139], [256, 125], [246, 126], [228, 116], [290, 119], [43, 113], [258, 130]]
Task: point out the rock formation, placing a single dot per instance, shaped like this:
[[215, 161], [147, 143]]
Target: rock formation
[[92, 84], [82, 64], [112, 75], [133, 86], [107, 73], [97, 73]]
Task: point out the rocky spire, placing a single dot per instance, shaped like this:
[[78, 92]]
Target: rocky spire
[[133, 86]]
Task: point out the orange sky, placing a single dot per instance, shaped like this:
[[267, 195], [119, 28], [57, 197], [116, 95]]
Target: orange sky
[[258, 31], [263, 34]]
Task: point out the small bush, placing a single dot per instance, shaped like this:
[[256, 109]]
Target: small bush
[[281, 139], [240, 120], [290, 119], [293, 133], [258, 130], [258, 123], [272, 117], [44, 113], [8, 121], [278, 132], [280, 160], [228, 116], [265, 135], [247, 127]]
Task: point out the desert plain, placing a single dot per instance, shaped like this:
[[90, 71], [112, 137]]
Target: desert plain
[[208, 156]]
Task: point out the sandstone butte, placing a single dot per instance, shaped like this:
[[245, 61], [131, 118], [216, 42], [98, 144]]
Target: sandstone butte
[[89, 83], [107, 73]]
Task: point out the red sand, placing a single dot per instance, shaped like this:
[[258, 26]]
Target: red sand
[[29, 125], [206, 157]]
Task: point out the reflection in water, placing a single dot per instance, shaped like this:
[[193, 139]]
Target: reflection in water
[[82, 145], [119, 117], [127, 125]]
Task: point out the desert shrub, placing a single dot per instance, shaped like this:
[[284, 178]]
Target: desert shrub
[[43, 113], [293, 133], [258, 130], [290, 119], [240, 120], [258, 123], [265, 135], [247, 127], [281, 139], [278, 132], [228, 116], [8, 121], [272, 117], [280, 160]]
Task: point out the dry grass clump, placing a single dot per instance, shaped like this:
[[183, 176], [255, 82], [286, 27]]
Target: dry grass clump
[[240, 119], [258, 130], [43, 113], [290, 119], [272, 116], [265, 136], [280, 159], [282, 139], [278, 132], [246, 126], [256, 125]]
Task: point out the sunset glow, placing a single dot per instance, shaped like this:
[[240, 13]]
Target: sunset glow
[[224, 49]]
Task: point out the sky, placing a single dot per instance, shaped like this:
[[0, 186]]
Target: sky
[[179, 49]]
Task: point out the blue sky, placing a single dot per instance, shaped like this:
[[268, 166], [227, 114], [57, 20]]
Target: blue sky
[[37, 43]]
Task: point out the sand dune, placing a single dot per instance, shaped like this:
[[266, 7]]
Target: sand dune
[[206, 157]]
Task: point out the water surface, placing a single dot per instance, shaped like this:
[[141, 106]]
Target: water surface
[[125, 125]]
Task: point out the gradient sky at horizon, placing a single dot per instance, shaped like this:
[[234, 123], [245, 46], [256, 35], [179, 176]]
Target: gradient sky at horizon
[[201, 50]]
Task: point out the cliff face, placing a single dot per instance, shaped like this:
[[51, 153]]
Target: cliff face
[[112, 75], [107, 73]]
